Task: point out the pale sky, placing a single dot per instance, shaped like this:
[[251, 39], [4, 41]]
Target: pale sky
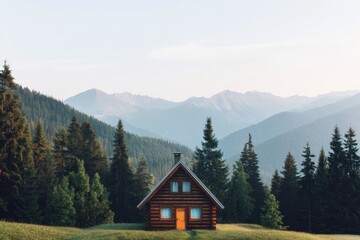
[[177, 49]]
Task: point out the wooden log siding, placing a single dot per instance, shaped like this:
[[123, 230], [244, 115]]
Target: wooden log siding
[[195, 198]]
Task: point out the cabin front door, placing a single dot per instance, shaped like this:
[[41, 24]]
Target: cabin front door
[[180, 219]]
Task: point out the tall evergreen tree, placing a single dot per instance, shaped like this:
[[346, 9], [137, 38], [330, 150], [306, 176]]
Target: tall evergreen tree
[[275, 184], [307, 188], [15, 151], [352, 159], [251, 168], [121, 180], [289, 189], [74, 145], [321, 178], [270, 214], [94, 156], [30, 210], [334, 190], [238, 202], [144, 181], [208, 163], [99, 205], [350, 185], [61, 204], [79, 181], [44, 169]]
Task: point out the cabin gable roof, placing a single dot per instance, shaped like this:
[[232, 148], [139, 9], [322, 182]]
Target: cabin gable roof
[[160, 184]]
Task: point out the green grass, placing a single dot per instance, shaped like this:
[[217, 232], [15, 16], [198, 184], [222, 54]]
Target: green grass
[[136, 231]]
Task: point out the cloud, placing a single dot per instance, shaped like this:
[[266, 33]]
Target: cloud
[[195, 52]]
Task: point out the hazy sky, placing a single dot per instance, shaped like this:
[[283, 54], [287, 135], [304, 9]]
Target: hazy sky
[[177, 49]]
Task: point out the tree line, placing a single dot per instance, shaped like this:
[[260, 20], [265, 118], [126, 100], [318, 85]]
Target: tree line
[[323, 198], [69, 181]]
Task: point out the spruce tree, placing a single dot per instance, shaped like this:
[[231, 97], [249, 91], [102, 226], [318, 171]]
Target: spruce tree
[[99, 205], [44, 169], [289, 189], [251, 168], [350, 185], [94, 156], [275, 184], [239, 204], [15, 152], [61, 204], [352, 160], [321, 178], [79, 181], [270, 214], [30, 210], [208, 164], [74, 145], [121, 180], [307, 188], [144, 181], [336, 161]]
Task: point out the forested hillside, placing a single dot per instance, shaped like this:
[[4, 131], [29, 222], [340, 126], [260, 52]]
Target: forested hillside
[[55, 115]]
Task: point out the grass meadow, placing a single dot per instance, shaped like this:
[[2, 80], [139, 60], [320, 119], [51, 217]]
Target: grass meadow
[[136, 231]]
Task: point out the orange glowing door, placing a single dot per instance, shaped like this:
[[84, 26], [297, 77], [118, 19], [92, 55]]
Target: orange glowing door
[[180, 219]]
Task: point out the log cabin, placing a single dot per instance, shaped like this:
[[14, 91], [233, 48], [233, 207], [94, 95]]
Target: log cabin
[[180, 201]]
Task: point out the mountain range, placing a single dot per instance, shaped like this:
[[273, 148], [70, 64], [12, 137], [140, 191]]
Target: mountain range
[[183, 122], [277, 125], [290, 131]]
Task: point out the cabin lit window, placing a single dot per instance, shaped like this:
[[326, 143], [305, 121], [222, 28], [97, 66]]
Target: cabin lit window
[[174, 187], [186, 187], [165, 212], [195, 213]]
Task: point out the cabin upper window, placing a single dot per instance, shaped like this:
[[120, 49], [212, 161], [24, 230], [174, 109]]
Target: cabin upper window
[[186, 187], [195, 213], [165, 212], [174, 187]]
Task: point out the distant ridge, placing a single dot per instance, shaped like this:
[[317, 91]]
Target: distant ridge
[[290, 131], [183, 121]]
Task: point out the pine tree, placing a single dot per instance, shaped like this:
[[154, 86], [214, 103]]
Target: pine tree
[[94, 156], [79, 181], [352, 160], [251, 168], [144, 181], [321, 178], [74, 146], [30, 210], [121, 180], [270, 214], [275, 184], [289, 189], [15, 152], [239, 204], [44, 169], [350, 185], [62, 210], [336, 160], [307, 188], [99, 205], [208, 165]]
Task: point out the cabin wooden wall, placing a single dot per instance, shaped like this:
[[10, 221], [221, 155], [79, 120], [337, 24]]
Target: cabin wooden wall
[[196, 198]]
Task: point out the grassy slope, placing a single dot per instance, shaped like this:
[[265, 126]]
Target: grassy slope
[[135, 231]]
